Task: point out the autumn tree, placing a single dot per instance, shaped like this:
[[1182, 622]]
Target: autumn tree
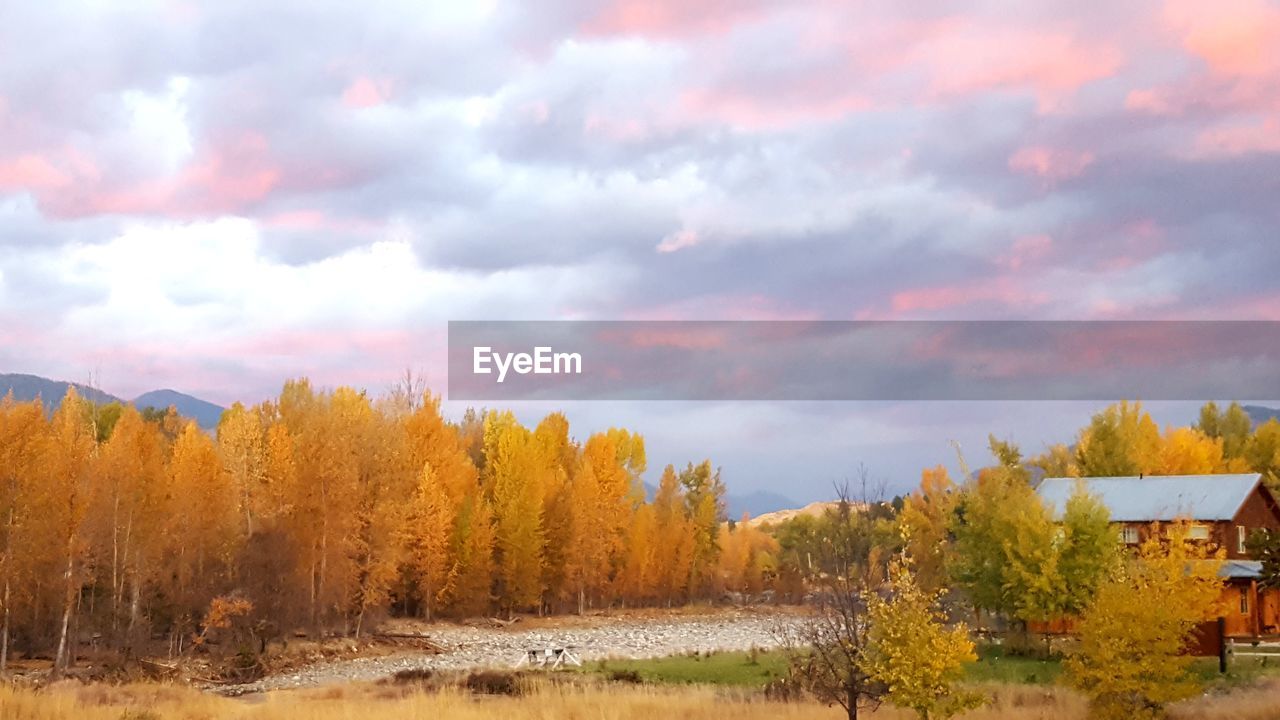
[[1120, 440], [472, 549], [925, 524], [704, 499], [131, 499], [201, 529], [913, 652], [675, 536], [427, 534], [514, 477], [242, 443], [65, 486], [1187, 451], [23, 434], [1262, 453], [560, 455], [1131, 661]]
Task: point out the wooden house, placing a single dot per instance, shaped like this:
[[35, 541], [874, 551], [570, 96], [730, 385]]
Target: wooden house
[[1223, 511]]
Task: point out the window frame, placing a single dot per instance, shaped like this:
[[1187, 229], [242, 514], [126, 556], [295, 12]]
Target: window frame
[[1242, 536], [1129, 535]]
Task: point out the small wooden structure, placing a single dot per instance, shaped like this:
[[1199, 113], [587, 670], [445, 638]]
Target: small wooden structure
[[549, 658]]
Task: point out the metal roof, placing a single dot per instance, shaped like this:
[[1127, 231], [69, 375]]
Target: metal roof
[[1241, 569], [1162, 497]]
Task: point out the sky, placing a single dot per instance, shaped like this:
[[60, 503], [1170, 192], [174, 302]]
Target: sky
[[215, 197]]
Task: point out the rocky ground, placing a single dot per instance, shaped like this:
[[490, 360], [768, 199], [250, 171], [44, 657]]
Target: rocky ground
[[465, 647]]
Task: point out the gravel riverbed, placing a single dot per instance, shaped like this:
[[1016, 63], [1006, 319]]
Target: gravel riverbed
[[470, 647]]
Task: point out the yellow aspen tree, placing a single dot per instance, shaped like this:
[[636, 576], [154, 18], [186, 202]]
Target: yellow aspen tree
[[676, 538], [925, 526], [1131, 661], [66, 487], [590, 546], [636, 580], [1187, 451], [202, 526], [242, 443], [427, 533], [23, 430], [704, 497], [382, 490], [432, 440], [473, 550], [910, 649], [513, 479], [559, 455], [130, 510], [436, 447], [1120, 440]]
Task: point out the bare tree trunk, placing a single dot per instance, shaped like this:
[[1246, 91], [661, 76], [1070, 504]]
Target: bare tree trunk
[[4, 634], [60, 661]]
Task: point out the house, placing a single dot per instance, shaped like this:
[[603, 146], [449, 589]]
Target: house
[[1223, 510]]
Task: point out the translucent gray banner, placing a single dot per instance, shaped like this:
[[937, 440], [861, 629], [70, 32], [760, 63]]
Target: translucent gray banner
[[873, 360]]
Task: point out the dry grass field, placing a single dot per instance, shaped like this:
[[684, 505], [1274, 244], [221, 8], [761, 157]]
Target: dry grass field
[[605, 702]]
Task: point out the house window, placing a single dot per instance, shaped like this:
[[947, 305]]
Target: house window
[[1240, 540], [1244, 601], [1129, 535], [1198, 532]]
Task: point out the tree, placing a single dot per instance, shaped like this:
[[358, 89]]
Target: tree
[[130, 509], [473, 550], [1187, 451], [912, 652], [1120, 440], [242, 444], [704, 499], [66, 486], [826, 654], [1131, 661], [23, 434], [1088, 549], [925, 524], [1263, 452], [514, 476], [428, 529], [674, 538]]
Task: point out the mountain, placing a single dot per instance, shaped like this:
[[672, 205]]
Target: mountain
[[28, 387], [205, 413], [776, 517], [755, 503], [1261, 414]]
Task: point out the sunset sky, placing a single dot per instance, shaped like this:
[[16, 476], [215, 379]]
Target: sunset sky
[[216, 197]]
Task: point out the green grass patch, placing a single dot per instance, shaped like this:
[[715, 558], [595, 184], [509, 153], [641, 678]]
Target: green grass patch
[[738, 669], [994, 666]]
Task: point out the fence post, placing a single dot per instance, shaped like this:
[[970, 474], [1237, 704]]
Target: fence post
[[1222, 645]]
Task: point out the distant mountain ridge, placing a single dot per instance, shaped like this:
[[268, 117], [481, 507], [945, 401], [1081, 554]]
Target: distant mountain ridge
[[205, 413], [1260, 414], [26, 388]]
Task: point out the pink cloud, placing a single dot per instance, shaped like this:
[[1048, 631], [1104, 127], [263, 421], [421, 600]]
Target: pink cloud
[[999, 290], [1051, 164], [226, 176], [1230, 140], [679, 240], [1026, 251], [669, 19], [1235, 37], [365, 92], [965, 57]]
